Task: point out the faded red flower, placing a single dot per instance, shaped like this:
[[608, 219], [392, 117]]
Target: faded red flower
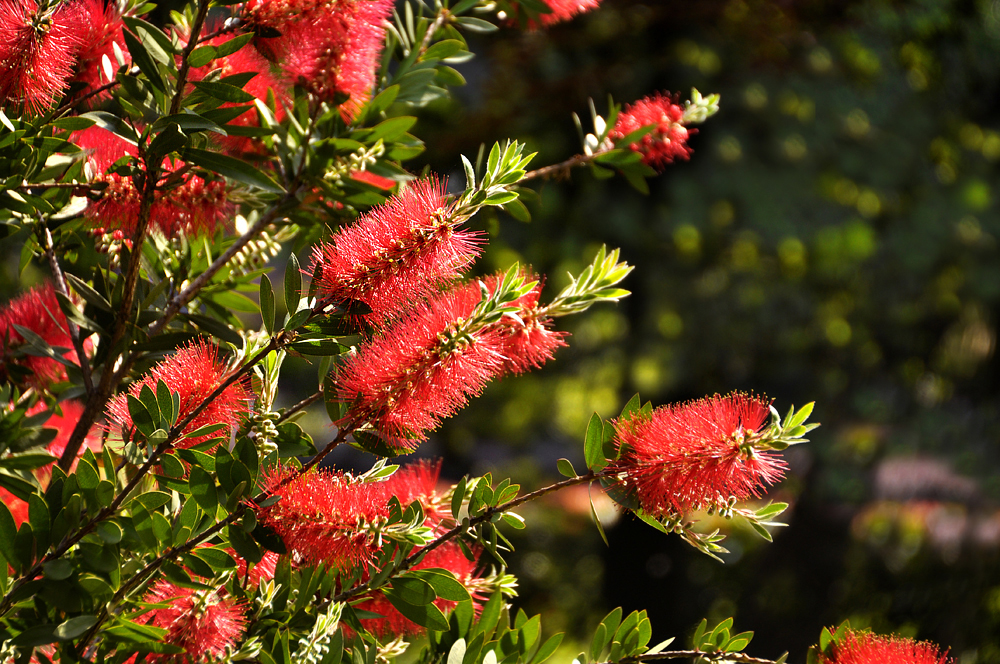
[[246, 60], [102, 27], [696, 454], [37, 311], [189, 204], [667, 142], [323, 517], [37, 52], [194, 372], [448, 556], [419, 482], [396, 253], [18, 508], [862, 647], [425, 367], [203, 622], [330, 48], [564, 10], [262, 571]]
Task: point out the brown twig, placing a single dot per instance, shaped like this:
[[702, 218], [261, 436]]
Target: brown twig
[[442, 16], [74, 331], [562, 169], [694, 654], [305, 403], [182, 73]]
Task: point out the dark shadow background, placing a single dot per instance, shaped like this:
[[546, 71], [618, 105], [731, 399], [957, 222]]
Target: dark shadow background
[[833, 238]]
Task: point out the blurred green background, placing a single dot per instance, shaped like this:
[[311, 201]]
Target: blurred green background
[[833, 239]]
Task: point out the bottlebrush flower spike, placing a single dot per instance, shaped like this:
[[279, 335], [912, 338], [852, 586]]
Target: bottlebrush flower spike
[[448, 556], [418, 482], [564, 10], [38, 48], [37, 311], [323, 517], [667, 142], [194, 372], [195, 206], [528, 340], [425, 367], [861, 647], [262, 571], [102, 27], [330, 48], [203, 622], [696, 455], [396, 253]]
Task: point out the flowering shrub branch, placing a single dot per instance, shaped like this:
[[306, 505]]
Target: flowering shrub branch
[[158, 503]]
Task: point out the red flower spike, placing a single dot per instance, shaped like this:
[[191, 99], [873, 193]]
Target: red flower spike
[[331, 49], [203, 622], [418, 482], [372, 179], [262, 571], [448, 556], [396, 253], [693, 455], [38, 311], [195, 206], [858, 647], [412, 376], [102, 28], [322, 517], [37, 52], [667, 142], [528, 342], [564, 10], [194, 372], [18, 508]]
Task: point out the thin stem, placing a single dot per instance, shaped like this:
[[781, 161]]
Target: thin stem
[[186, 295], [305, 403], [442, 16], [562, 169], [182, 73], [74, 331], [62, 185], [463, 527]]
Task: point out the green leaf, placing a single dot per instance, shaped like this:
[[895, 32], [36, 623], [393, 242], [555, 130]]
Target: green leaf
[[224, 91], [202, 55], [632, 408], [413, 590], [593, 447], [565, 468], [203, 489], [244, 545], [233, 45], [444, 583], [230, 167], [428, 615], [293, 283], [267, 303], [142, 59], [548, 648], [141, 418], [75, 627]]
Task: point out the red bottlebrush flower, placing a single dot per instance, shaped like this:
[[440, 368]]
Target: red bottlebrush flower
[[396, 253], [195, 206], [37, 52], [417, 372], [695, 455], [424, 368], [64, 424], [37, 311], [18, 508], [667, 142], [858, 647], [102, 28], [323, 517], [528, 342], [194, 372], [329, 48], [448, 556], [418, 482], [262, 571], [203, 622], [564, 10], [246, 60]]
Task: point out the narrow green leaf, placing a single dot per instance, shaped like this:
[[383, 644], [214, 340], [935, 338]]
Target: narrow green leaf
[[267, 303], [593, 447], [293, 283], [232, 168]]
